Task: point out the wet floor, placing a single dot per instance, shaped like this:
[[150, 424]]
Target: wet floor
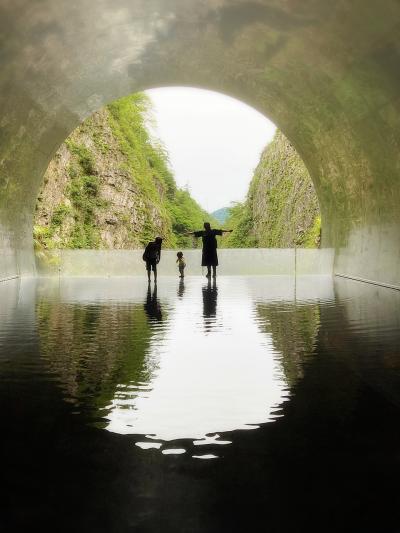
[[267, 402]]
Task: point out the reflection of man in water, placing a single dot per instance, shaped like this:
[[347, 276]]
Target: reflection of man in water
[[210, 295], [152, 305]]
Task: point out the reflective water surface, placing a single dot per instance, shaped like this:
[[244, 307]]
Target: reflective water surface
[[200, 405]]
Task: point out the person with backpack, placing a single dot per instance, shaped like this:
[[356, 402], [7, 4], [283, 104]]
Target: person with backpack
[[152, 256]]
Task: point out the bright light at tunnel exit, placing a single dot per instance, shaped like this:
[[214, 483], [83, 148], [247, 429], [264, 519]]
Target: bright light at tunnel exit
[[214, 142]]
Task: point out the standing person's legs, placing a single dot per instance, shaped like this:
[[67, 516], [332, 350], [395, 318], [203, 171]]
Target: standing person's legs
[[148, 268], [155, 272], [214, 271], [208, 275]]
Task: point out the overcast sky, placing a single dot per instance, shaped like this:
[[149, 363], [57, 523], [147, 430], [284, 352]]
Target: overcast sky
[[214, 142]]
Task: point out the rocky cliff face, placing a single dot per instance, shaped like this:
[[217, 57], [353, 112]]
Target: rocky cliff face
[[109, 186], [281, 209]]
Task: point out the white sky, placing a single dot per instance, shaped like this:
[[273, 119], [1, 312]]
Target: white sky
[[214, 142]]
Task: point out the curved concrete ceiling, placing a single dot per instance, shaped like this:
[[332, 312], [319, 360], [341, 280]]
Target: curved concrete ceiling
[[327, 73]]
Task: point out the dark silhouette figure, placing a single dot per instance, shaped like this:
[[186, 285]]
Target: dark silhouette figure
[[152, 256], [152, 305], [181, 264], [209, 257], [210, 296], [181, 288]]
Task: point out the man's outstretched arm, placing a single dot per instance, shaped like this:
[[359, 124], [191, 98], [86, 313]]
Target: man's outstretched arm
[[195, 233]]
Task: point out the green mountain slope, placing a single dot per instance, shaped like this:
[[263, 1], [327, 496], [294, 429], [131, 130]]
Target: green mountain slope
[[110, 186], [281, 209]]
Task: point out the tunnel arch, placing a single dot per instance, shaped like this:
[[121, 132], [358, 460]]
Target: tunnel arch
[[326, 75]]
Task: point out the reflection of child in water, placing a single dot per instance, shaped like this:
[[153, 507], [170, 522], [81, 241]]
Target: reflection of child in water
[[181, 264]]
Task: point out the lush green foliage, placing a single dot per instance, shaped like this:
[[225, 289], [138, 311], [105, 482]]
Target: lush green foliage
[[241, 222], [128, 149], [313, 236], [84, 156], [83, 195], [148, 162], [281, 209], [146, 159], [187, 215]]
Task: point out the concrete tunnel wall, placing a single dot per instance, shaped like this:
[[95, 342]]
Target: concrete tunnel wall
[[327, 73]]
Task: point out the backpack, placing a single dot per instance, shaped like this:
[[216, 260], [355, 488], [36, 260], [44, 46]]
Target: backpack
[[151, 253]]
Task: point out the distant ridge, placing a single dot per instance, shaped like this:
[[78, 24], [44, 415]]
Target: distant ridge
[[221, 215]]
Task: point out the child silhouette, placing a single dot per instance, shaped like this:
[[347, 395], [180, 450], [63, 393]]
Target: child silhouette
[[181, 264]]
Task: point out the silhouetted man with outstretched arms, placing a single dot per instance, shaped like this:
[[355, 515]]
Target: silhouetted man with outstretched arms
[[209, 256]]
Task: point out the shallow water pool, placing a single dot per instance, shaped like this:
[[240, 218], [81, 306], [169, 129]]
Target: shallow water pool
[[200, 405]]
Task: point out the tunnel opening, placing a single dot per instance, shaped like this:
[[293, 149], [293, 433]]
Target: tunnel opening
[[112, 184]]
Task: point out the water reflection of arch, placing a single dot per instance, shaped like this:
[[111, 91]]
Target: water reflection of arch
[[120, 359]]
